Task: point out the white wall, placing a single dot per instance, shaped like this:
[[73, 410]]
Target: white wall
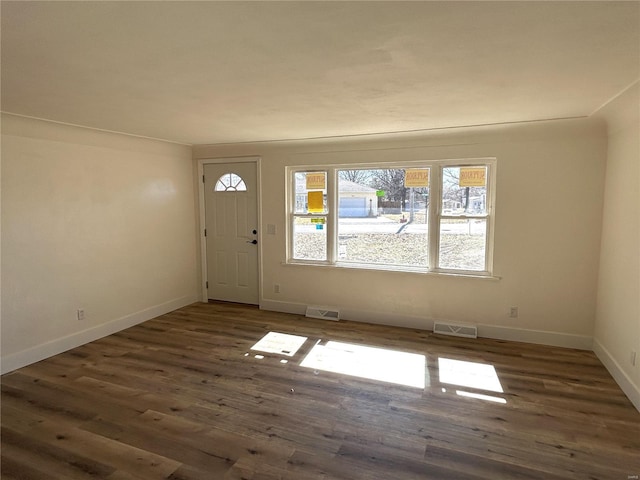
[[550, 179], [617, 329], [91, 220]]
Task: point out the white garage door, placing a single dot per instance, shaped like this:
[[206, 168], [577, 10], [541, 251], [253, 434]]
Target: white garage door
[[353, 207]]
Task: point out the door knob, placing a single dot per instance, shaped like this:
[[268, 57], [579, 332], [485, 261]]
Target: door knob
[[252, 241]]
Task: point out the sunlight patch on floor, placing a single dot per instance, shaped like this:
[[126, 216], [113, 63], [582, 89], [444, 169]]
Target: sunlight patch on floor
[[373, 363], [469, 374], [280, 343], [480, 396], [472, 375]]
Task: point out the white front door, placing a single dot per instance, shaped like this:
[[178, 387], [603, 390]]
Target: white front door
[[231, 225]]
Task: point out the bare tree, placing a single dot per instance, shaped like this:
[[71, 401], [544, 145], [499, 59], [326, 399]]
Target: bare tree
[[361, 177], [392, 182]]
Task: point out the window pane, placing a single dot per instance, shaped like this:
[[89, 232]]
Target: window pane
[[462, 244], [230, 182], [309, 238], [311, 192], [380, 220], [464, 190]]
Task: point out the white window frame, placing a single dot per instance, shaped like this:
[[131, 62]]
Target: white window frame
[[292, 215], [435, 214]]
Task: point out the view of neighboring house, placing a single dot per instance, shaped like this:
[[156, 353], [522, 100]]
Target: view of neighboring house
[[477, 203], [357, 200]]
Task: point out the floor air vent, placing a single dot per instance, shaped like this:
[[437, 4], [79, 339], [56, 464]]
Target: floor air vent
[[455, 329], [325, 313]]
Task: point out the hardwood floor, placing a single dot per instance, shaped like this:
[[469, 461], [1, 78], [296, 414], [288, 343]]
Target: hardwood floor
[[184, 397]]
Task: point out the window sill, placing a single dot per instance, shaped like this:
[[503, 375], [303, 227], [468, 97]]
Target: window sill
[[395, 268]]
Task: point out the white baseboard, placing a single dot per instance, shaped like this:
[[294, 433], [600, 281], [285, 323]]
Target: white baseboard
[[556, 339], [59, 345], [631, 390], [363, 316], [283, 307], [540, 337]]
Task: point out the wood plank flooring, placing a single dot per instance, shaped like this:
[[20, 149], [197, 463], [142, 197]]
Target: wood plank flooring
[[183, 397]]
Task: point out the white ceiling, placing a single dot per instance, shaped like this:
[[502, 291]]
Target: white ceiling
[[216, 72]]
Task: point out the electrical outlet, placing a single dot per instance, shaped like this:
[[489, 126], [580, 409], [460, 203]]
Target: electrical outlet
[[276, 288], [80, 314], [513, 312]]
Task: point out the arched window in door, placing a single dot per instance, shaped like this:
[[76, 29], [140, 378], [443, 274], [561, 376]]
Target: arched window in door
[[230, 182]]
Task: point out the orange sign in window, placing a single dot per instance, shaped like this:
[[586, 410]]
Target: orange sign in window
[[316, 181], [416, 177], [473, 177]]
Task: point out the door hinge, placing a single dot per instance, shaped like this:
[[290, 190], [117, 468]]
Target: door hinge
[[207, 283], [202, 178], [205, 232]]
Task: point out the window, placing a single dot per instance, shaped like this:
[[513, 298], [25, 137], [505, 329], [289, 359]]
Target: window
[[380, 220], [230, 182], [310, 215], [463, 218], [425, 216]]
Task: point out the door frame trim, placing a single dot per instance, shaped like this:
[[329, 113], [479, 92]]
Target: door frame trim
[[201, 206]]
